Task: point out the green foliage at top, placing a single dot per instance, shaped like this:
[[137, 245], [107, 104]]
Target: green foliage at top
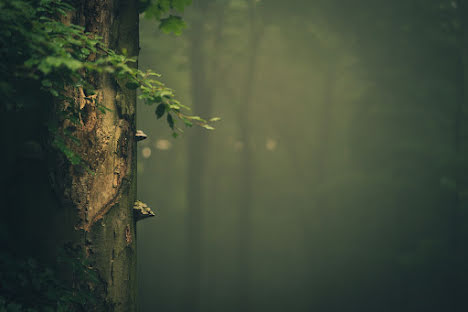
[[158, 8], [162, 10], [172, 24], [37, 46]]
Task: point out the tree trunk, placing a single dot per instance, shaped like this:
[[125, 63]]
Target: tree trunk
[[92, 207], [197, 145], [247, 168], [204, 76], [316, 230], [104, 197]]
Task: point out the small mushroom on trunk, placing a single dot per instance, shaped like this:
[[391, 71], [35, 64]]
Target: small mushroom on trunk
[[140, 135], [142, 211]]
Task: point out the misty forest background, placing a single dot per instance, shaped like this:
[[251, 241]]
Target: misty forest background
[[336, 180]]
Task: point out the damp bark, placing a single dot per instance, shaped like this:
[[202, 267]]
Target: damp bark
[[103, 196], [56, 202]]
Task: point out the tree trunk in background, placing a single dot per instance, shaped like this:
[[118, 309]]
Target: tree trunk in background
[[246, 161], [325, 125], [196, 155], [92, 209], [213, 185], [315, 230], [204, 76]]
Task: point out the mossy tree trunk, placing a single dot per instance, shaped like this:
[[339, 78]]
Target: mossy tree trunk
[[103, 197], [89, 206]]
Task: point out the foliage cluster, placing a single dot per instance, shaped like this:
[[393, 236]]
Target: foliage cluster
[[37, 46], [162, 10]]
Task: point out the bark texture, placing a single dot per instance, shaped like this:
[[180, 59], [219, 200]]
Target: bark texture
[[56, 202], [102, 197]]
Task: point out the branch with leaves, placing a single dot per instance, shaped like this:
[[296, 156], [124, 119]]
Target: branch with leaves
[[63, 56]]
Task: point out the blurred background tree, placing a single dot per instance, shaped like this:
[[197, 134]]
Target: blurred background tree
[[337, 178]]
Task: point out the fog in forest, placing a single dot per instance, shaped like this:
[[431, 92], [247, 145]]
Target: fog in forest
[[336, 177]]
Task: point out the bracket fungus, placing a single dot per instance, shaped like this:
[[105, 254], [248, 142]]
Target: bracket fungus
[[142, 211], [140, 135]]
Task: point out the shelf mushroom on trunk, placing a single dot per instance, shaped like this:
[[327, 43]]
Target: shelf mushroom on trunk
[[142, 211], [140, 135]]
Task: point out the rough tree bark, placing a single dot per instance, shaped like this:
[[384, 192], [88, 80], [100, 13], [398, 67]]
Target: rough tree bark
[[90, 208], [103, 197]]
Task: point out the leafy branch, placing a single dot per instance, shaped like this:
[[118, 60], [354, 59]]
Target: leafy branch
[[61, 56]]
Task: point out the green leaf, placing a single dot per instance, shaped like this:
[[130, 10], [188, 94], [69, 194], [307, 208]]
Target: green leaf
[[214, 119], [179, 5], [198, 118], [47, 83], [165, 5], [160, 110], [187, 122], [172, 24], [208, 127], [132, 85], [54, 92], [170, 121]]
